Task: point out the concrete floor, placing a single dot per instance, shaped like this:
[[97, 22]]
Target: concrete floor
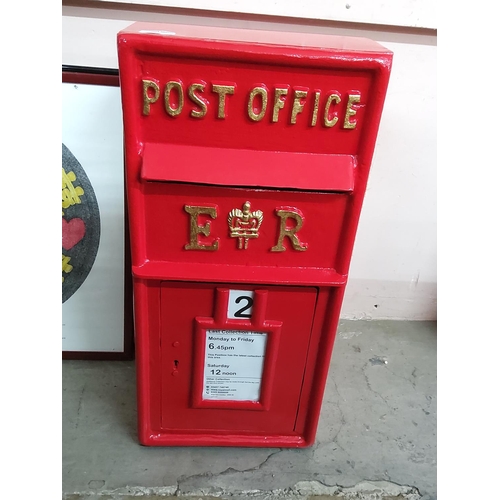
[[376, 436]]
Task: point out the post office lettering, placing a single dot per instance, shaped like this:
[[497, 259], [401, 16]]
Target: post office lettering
[[275, 104]]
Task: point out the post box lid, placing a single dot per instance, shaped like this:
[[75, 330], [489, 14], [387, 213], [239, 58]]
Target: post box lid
[[282, 38], [250, 168]]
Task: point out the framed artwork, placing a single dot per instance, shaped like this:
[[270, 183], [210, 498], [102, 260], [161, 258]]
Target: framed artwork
[[97, 319]]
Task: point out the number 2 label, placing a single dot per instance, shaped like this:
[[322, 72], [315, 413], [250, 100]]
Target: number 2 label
[[240, 304]]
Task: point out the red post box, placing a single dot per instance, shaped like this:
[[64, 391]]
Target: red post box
[[247, 158]]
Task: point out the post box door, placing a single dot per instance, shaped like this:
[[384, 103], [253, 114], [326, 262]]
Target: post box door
[[287, 319]]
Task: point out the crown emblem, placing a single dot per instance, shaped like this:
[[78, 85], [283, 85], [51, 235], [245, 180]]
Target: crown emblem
[[244, 224]]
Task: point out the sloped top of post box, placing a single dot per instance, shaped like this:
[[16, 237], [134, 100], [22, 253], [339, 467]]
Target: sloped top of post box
[[280, 38]]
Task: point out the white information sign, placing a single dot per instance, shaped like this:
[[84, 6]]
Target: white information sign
[[234, 361]]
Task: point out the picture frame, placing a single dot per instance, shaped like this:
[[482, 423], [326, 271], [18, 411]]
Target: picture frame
[[97, 308]]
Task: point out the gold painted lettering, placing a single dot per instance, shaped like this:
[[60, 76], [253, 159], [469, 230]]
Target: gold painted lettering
[[222, 90], [202, 103], [353, 99], [314, 119], [278, 103], [262, 91], [331, 122], [147, 100], [298, 105], [195, 229], [168, 107], [286, 213]]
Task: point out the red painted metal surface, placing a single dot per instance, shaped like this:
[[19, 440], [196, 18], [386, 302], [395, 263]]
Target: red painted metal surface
[[317, 172], [247, 158]]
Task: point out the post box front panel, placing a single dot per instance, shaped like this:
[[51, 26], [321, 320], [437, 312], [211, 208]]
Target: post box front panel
[[211, 376], [301, 106], [193, 223]]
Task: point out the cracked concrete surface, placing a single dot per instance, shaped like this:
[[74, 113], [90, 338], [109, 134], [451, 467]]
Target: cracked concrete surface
[[376, 437]]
